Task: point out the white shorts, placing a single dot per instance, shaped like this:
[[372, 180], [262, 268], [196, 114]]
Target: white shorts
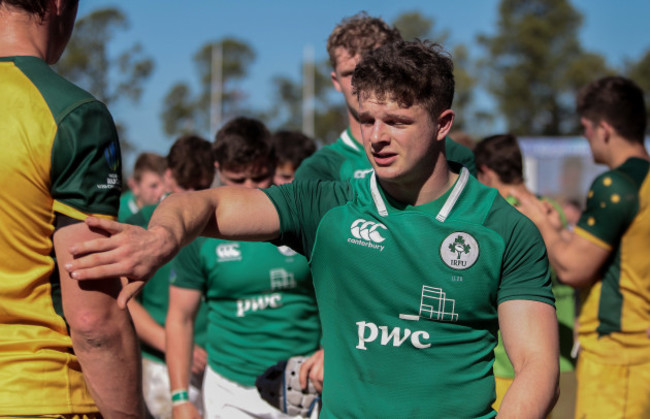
[[155, 386], [226, 399]]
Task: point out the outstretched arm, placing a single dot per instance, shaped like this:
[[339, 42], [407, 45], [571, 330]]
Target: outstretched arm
[[530, 336], [233, 213], [103, 336]]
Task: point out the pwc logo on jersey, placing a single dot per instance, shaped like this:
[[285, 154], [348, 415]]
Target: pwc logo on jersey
[[459, 250], [227, 252], [367, 234], [435, 305]]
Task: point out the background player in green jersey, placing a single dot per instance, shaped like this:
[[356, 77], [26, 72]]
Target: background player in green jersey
[[415, 267], [65, 349], [190, 166], [606, 254], [260, 298], [345, 159], [146, 185], [499, 164]]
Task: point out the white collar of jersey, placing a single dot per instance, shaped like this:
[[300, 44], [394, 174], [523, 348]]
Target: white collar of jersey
[[349, 141], [380, 205], [133, 207]]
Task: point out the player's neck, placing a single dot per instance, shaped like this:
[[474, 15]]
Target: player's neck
[[624, 150], [355, 129], [22, 35], [422, 189]]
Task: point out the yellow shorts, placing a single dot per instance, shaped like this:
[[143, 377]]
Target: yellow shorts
[[501, 386], [612, 391]]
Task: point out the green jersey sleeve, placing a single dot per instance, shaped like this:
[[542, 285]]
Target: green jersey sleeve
[[86, 169], [525, 271], [186, 269], [301, 205]]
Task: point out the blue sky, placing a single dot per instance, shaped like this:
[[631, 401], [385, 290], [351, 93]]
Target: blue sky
[[172, 31]]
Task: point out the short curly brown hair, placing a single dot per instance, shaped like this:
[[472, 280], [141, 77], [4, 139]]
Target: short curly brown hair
[[190, 161], [408, 72], [359, 34]]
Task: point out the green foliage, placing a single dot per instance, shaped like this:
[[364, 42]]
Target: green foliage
[[414, 25], [87, 62], [185, 111], [329, 115], [535, 64]]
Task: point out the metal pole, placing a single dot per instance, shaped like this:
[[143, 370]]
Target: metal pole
[[308, 91], [216, 88]]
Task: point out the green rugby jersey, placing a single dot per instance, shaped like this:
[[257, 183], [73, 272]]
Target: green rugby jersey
[[155, 295], [346, 159], [408, 295], [128, 207], [261, 304]]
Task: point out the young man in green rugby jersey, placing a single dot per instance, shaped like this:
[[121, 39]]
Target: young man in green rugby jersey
[[415, 267]]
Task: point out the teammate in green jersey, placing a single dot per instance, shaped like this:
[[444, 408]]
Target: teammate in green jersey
[[189, 166], [345, 159], [606, 254], [499, 163], [415, 267], [146, 185], [260, 298]]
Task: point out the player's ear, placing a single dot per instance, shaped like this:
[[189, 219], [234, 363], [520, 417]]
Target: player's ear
[[335, 81], [445, 121]]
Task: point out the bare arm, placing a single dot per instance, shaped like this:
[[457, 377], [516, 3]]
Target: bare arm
[[233, 213], [148, 330], [183, 306], [575, 259], [103, 336], [530, 336]]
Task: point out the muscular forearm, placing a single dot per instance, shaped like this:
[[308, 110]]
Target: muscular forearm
[[180, 343], [110, 359], [184, 216]]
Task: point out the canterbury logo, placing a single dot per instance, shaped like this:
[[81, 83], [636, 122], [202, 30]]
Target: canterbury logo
[[367, 230], [229, 251]]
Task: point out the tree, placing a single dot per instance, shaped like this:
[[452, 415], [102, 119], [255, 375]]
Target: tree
[[185, 111], [414, 25], [329, 115], [87, 62], [535, 64]]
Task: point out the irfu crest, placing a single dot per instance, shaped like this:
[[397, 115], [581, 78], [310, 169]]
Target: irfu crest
[[459, 250], [459, 246]]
